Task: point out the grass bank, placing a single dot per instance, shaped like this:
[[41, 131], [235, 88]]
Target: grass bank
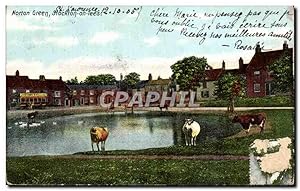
[[126, 172], [272, 101], [48, 170]]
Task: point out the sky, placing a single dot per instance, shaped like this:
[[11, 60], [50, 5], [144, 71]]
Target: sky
[[80, 46]]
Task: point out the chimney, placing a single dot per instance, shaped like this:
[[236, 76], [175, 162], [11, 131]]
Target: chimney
[[285, 45], [223, 65], [241, 63], [17, 73], [42, 77], [150, 77], [60, 78], [121, 76], [257, 49]]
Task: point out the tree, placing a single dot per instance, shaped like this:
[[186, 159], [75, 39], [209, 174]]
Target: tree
[[229, 87], [73, 81], [132, 79], [102, 79], [282, 74], [189, 72]]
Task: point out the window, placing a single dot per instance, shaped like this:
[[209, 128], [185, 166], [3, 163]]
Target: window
[[204, 84], [92, 100], [256, 73], [57, 94], [82, 92], [256, 87], [14, 91], [57, 102], [27, 91], [205, 94], [74, 92], [92, 92]]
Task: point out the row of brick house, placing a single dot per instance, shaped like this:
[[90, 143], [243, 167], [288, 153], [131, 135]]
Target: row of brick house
[[42, 92], [23, 92], [258, 78], [83, 94]]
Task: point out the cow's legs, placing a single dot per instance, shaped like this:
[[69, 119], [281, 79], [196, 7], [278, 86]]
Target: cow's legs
[[186, 140], [195, 138], [103, 146], [262, 125], [98, 146], [92, 146], [249, 128]]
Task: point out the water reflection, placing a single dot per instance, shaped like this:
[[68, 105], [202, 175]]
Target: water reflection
[[70, 134]]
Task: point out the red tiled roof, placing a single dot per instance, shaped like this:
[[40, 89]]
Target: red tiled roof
[[237, 70], [34, 84], [262, 59], [213, 75]]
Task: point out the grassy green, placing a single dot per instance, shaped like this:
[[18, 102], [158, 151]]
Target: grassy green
[[126, 172], [272, 101], [43, 170]]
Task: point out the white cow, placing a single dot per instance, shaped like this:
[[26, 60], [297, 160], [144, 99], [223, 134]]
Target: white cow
[[191, 129]]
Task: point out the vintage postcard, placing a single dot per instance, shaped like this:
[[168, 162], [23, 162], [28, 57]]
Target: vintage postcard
[[150, 95]]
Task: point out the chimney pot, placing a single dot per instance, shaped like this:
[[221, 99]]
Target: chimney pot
[[241, 63], [42, 77], [150, 77], [285, 45], [257, 49]]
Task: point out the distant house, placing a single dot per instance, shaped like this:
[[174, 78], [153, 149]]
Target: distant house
[[140, 87], [207, 87], [259, 79], [24, 92], [83, 94], [160, 86]]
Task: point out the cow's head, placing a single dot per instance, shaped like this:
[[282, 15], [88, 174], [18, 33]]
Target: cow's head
[[235, 119], [189, 121], [93, 129]]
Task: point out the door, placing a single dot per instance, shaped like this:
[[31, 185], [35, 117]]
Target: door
[[269, 90]]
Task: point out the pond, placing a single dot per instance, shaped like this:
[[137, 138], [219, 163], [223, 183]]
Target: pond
[[70, 134]]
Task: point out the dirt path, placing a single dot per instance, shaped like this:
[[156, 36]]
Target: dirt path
[[150, 157]]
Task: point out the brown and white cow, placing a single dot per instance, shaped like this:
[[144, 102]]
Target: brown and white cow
[[249, 120], [99, 135]]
